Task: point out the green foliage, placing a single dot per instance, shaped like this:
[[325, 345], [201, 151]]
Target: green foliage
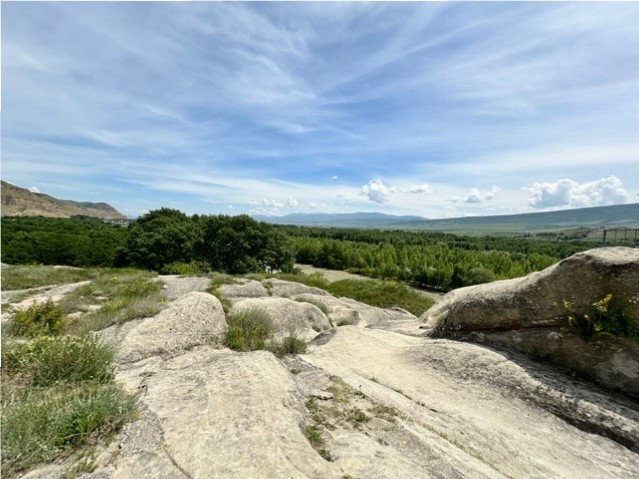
[[608, 316], [291, 344], [39, 319], [46, 360], [248, 330], [77, 241], [239, 245], [40, 424], [386, 294], [162, 237], [193, 268], [428, 259]]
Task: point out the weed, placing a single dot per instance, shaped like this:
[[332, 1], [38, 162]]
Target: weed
[[357, 416], [122, 295], [39, 319], [218, 279], [607, 317], [226, 303], [313, 433], [248, 330], [295, 371], [388, 413], [291, 344]]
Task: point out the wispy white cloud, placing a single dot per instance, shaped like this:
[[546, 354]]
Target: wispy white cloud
[[423, 189], [209, 104]]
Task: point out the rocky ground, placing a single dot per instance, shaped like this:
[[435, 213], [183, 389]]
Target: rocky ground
[[371, 398]]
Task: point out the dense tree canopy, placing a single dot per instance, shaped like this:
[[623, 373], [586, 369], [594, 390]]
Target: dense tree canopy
[[166, 239], [77, 241]]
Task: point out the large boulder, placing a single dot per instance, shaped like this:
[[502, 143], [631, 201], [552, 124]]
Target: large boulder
[[195, 319], [288, 316], [527, 314]]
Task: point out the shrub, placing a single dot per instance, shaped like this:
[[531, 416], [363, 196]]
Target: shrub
[[248, 330], [608, 316], [194, 268], [39, 319]]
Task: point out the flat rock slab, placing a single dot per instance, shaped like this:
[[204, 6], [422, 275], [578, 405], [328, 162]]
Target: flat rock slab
[[470, 407], [218, 413]]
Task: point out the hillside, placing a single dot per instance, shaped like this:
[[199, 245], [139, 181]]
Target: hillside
[[615, 216], [18, 201]]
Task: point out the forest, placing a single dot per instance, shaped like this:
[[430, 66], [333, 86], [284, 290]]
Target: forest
[[169, 241]]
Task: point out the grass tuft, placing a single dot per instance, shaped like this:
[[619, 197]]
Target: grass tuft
[[40, 424], [291, 344], [248, 330]]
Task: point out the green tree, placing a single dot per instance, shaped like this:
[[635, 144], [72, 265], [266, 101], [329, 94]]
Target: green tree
[[161, 237]]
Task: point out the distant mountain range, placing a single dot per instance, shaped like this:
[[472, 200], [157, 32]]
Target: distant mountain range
[[18, 201], [615, 216], [340, 220]]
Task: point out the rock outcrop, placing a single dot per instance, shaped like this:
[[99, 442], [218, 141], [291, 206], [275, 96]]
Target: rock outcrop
[[195, 319], [527, 315], [289, 317], [370, 399]]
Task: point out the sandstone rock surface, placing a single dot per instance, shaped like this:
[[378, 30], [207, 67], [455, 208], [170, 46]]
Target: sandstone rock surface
[[288, 316], [374, 402], [527, 315], [217, 413], [195, 319]]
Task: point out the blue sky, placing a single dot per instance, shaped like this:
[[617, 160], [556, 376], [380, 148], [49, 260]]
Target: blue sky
[[434, 109]]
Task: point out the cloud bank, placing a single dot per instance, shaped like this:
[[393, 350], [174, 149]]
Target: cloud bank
[[569, 193]]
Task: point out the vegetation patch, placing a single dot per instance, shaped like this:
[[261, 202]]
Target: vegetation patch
[[385, 294], [291, 344], [58, 395], [43, 424], [313, 433], [192, 268], [607, 317], [248, 330], [115, 296], [39, 319], [26, 277]]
